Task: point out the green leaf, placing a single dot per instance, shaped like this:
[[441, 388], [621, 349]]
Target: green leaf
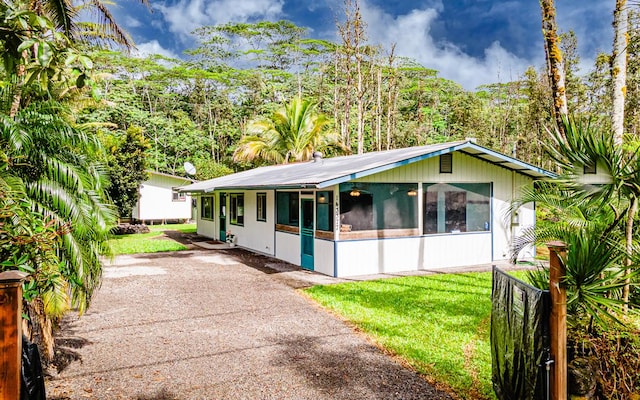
[[27, 44], [45, 54]]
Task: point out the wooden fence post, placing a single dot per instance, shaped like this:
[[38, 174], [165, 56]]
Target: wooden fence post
[[10, 333], [558, 321]]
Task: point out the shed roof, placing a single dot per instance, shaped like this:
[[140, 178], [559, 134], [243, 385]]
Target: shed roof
[[176, 177], [330, 171]]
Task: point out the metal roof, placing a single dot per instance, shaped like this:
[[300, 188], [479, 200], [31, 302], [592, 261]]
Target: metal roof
[[331, 171]]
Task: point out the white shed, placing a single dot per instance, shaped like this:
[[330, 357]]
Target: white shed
[[161, 202], [416, 208]]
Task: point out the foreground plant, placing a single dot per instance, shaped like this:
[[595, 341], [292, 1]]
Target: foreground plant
[[596, 222]]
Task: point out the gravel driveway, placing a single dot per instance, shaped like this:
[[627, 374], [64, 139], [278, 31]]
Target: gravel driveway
[[205, 325]]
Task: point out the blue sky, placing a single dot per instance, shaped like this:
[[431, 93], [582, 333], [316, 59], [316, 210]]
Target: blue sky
[[472, 42]]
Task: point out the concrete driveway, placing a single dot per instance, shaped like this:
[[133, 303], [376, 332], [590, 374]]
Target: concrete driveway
[[219, 325]]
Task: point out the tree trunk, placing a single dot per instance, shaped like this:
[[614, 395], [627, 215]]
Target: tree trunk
[[619, 69], [379, 111], [633, 210], [555, 63]]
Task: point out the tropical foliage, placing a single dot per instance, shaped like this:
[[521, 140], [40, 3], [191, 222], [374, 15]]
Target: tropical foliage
[[293, 133], [594, 216]]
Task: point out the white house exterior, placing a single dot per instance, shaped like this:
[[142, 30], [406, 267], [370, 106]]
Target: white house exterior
[[418, 208], [160, 201]]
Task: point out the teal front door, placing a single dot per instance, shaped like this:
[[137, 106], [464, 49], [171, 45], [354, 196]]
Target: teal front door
[[223, 216], [306, 233]]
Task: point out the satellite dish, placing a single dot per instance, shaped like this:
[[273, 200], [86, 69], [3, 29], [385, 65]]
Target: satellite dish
[[189, 168]]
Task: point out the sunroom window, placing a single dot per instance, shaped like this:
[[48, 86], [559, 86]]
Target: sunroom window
[[288, 208], [378, 206], [324, 211], [457, 207]]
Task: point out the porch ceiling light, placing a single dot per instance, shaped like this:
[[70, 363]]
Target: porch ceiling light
[[412, 192], [354, 193]]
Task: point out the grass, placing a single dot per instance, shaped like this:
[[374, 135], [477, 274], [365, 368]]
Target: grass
[[439, 324], [152, 242]]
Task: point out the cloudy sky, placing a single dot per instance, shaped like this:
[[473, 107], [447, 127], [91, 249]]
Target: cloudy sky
[[472, 42]]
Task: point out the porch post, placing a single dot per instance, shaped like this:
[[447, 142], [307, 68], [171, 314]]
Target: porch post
[[558, 321], [10, 333]]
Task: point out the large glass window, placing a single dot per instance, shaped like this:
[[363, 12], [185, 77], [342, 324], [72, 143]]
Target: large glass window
[[324, 211], [288, 208], [237, 208], [261, 206], [206, 203], [457, 207], [377, 206]]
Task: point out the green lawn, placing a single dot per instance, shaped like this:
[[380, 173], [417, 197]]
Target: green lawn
[[438, 323], [152, 242]]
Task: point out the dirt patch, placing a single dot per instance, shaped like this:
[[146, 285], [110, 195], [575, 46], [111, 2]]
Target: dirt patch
[[184, 238]]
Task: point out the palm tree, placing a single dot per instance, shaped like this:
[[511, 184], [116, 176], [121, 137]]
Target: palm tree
[[64, 190], [65, 14], [28, 243], [292, 133], [592, 217]]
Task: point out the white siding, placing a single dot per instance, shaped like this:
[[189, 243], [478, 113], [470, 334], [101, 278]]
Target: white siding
[[364, 257], [206, 227], [254, 234], [602, 175], [156, 200], [323, 256], [288, 247]]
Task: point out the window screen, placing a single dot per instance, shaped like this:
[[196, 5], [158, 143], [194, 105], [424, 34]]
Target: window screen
[[261, 206], [377, 206], [207, 207], [237, 208], [324, 211], [456, 207], [288, 208]]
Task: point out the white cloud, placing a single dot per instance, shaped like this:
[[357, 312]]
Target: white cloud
[[151, 48], [411, 34], [187, 15], [131, 22]]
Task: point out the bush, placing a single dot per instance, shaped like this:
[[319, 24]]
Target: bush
[[126, 229], [615, 357]]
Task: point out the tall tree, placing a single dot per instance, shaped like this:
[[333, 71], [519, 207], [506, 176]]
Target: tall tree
[[128, 165], [555, 64], [619, 68]]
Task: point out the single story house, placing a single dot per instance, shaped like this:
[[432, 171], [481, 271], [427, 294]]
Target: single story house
[[161, 202], [427, 207]]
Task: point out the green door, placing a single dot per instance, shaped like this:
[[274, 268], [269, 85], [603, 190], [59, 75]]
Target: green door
[[223, 216], [306, 233]]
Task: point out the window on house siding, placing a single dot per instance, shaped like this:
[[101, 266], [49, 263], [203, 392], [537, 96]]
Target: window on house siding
[[378, 206], [446, 163], [324, 211], [288, 208], [178, 196], [236, 208], [261, 206], [457, 207], [207, 207]]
